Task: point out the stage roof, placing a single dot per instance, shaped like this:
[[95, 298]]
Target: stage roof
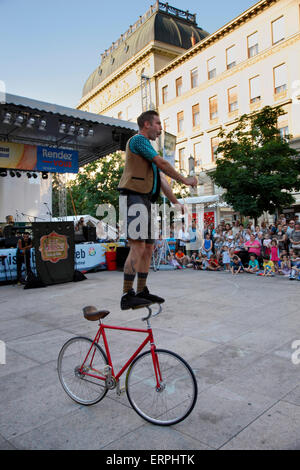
[[28, 121]]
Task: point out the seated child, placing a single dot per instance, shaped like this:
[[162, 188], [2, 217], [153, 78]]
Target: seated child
[[268, 267], [236, 265], [213, 264], [253, 266], [295, 266], [285, 265], [204, 262], [173, 261], [196, 260]]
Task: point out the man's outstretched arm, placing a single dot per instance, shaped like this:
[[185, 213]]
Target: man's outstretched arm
[[168, 170]]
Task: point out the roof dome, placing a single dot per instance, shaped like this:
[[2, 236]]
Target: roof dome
[[159, 26]]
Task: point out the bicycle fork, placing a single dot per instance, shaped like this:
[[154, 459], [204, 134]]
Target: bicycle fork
[[159, 382]]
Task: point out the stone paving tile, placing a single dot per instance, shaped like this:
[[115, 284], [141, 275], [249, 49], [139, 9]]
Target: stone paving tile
[[219, 414], [87, 428], [277, 429], [150, 437]]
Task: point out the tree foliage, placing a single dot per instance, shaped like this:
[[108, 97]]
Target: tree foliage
[[256, 166], [95, 184]]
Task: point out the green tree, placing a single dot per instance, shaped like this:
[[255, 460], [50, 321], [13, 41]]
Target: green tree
[[95, 184], [256, 166]]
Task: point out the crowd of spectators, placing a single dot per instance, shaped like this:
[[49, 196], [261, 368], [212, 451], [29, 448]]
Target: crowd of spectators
[[264, 249]]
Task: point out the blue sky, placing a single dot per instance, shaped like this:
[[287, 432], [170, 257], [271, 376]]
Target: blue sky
[[48, 48]]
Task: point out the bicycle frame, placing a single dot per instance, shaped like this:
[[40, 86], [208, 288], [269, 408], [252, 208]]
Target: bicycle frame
[[149, 339]]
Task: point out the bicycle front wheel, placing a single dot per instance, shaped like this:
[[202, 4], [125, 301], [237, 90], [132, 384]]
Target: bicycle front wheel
[[176, 395], [80, 366]]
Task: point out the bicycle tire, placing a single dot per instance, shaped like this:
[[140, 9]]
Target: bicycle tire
[[81, 388], [175, 401]]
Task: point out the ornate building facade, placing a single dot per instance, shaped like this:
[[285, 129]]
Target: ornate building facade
[[200, 82]]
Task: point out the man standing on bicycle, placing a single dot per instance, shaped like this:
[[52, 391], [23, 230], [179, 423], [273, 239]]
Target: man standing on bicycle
[[140, 184]]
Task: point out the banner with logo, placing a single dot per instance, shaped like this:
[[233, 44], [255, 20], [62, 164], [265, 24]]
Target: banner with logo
[[38, 158], [54, 246]]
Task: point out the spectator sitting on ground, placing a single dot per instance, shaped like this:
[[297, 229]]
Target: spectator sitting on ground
[[173, 261], [268, 267], [182, 259], [213, 264], [285, 265], [236, 265], [204, 262], [253, 266], [196, 260]]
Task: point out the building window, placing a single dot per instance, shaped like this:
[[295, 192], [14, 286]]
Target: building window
[[165, 94], [278, 30], [179, 86], [197, 154], [232, 99], [212, 68], [283, 126], [180, 121], [196, 115], [181, 153], [255, 89], [194, 78], [252, 44], [231, 57], [280, 78], [213, 107], [166, 124], [214, 142]]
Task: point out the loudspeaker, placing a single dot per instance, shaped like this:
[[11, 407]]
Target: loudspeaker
[[89, 233], [122, 253]]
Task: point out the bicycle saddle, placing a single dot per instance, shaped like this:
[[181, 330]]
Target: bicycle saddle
[[92, 314]]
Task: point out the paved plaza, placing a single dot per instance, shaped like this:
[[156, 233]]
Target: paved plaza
[[235, 331]]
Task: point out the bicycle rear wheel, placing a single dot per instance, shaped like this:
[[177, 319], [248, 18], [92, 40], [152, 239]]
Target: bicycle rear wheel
[[74, 362], [176, 396]]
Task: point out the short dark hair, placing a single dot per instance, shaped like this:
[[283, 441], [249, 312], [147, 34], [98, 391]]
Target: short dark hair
[[146, 116]]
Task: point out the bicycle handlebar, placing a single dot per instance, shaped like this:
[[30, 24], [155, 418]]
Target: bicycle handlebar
[[152, 314]]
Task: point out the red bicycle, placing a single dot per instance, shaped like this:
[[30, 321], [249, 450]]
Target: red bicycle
[[161, 387]]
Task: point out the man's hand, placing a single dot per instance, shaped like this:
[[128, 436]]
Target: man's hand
[[191, 181]]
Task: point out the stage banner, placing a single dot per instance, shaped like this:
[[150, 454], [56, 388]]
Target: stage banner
[[40, 158], [54, 251]]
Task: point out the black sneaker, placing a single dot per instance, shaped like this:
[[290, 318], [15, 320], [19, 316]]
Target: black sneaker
[[145, 294], [130, 300]]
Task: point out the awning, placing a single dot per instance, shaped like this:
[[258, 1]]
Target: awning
[[200, 199], [27, 121]]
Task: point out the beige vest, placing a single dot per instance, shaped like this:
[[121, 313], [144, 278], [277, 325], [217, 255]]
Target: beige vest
[[138, 173]]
